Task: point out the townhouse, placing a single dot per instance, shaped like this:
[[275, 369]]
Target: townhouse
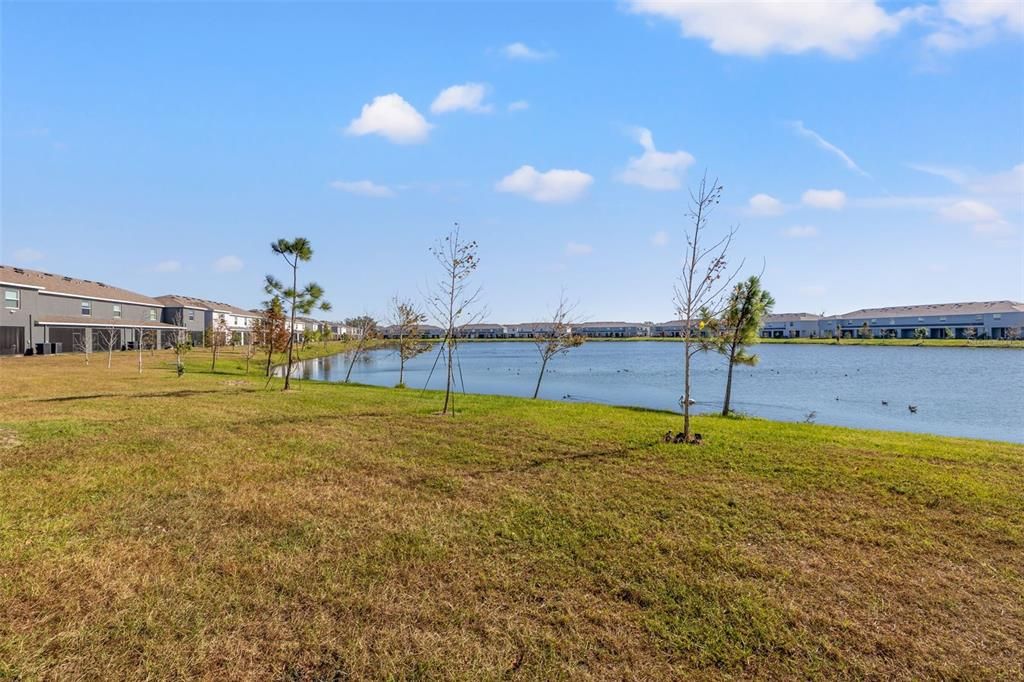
[[984, 319], [612, 330], [47, 313], [791, 326], [200, 314]]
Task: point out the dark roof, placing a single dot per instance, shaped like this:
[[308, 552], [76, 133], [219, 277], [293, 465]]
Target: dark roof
[[792, 317], [72, 286], [87, 321], [177, 300], [970, 308]]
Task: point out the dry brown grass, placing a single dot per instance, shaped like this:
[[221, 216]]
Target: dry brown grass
[[203, 527]]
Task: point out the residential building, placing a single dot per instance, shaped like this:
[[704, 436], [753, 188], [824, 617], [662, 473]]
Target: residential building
[[612, 329], [235, 322], [985, 319], [673, 328], [791, 326], [44, 312], [484, 330]]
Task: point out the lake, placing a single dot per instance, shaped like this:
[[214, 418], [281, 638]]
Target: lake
[[971, 392]]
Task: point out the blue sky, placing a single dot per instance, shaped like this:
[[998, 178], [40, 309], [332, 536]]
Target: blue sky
[[871, 154]]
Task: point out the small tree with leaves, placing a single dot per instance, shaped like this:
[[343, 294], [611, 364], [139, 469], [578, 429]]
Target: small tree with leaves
[[556, 337], [970, 333], [270, 330], [736, 329], [366, 330], [921, 333], [216, 336], [949, 333], [700, 288], [453, 300], [302, 300], [406, 320], [865, 331]]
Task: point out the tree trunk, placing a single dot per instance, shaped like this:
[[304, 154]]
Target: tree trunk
[[449, 377], [543, 366], [291, 336], [728, 383], [686, 394], [351, 364]]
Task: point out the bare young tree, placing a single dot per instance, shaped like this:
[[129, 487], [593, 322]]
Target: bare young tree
[[107, 338], [453, 300], [82, 344], [216, 336], [366, 331], [406, 321], [701, 287], [138, 345], [557, 337]]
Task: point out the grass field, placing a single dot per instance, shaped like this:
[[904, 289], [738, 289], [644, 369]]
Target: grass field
[[153, 527]]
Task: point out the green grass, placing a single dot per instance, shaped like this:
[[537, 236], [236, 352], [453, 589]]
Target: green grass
[[202, 526]]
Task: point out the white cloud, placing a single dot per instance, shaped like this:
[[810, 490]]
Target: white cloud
[[519, 105], [840, 28], [655, 170], [984, 219], [577, 249], [970, 211], [168, 266], [28, 255], [392, 117], [1009, 183], [660, 238], [523, 52], [366, 188], [902, 202], [1009, 13], [833, 199], [555, 185], [964, 24], [954, 175], [800, 129], [466, 97], [765, 204], [228, 264], [800, 231]]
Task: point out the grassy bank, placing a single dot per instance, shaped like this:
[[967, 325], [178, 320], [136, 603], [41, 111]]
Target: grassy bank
[[938, 343], [153, 526]]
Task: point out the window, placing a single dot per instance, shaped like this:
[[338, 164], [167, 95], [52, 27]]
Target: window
[[997, 316], [12, 298], [117, 312], [191, 315], [87, 307], [152, 315]]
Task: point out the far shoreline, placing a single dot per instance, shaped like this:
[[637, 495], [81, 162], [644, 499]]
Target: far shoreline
[[924, 343]]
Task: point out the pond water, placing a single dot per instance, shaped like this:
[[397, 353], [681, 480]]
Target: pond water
[[972, 392]]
